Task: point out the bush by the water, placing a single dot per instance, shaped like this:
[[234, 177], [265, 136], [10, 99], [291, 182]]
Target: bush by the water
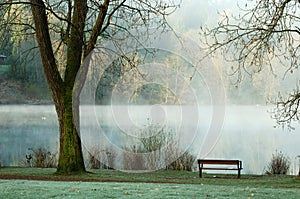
[[160, 147], [40, 157], [279, 163], [184, 163], [99, 158]]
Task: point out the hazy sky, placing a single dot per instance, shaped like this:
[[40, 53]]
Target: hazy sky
[[194, 13]]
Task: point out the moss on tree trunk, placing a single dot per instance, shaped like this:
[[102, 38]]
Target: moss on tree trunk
[[70, 153]]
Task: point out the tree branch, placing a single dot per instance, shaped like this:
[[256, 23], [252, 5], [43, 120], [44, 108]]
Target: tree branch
[[45, 46], [97, 27]]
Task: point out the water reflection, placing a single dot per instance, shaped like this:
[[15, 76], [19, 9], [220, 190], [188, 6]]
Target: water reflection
[[248, 134]]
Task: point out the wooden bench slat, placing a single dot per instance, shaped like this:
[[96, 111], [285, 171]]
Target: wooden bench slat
[[210, 168], [234, 162]]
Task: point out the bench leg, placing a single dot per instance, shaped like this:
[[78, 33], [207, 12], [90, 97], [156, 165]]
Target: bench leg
[[200, 169], [239, 173]]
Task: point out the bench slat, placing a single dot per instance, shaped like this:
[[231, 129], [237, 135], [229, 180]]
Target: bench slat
[[211, 168], [233, 162]]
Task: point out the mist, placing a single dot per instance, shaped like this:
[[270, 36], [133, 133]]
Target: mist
[[246, 132]]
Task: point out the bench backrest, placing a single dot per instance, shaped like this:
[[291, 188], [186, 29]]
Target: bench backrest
[[229, 162]]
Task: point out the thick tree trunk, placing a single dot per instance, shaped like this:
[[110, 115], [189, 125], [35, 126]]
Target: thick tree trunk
[[70, 153], [67, 106]]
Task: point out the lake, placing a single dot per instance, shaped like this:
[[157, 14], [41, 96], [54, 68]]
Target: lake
[[247, 132]]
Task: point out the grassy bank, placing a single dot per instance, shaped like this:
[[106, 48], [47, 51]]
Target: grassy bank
[[163, 176]]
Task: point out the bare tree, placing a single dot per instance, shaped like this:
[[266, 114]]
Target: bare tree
[[266, 32], [152, 141], [78, 26]]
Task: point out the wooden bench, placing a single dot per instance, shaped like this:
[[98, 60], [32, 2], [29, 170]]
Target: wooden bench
[[202, 162]]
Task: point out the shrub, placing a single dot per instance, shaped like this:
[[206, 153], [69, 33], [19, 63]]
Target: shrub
[[279, 163], [101, 159], [157, 147], [94, 159], [153, 141], [185, 162], [133, 158], [110, 158], [41, 158]]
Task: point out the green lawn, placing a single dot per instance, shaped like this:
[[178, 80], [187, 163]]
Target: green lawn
[[158, 184]]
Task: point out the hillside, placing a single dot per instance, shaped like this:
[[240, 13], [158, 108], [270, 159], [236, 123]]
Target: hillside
[[18, 92]]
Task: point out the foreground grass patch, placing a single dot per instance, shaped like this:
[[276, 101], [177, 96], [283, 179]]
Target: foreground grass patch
[[54, 189], [43, 183]]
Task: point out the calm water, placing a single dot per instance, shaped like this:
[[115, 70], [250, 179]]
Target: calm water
[[247, 134]]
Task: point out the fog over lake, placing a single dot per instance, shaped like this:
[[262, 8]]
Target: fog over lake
[[248, 132]]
